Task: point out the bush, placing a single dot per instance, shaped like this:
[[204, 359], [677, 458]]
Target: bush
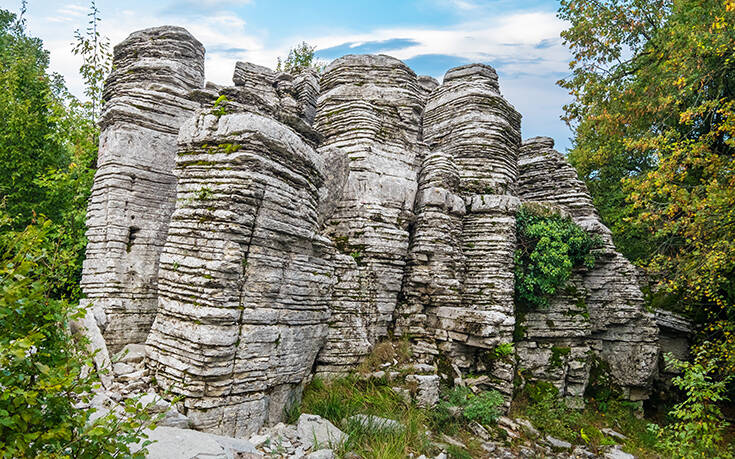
[[44, 372], [550, 247], [699, 425], [484, 408]]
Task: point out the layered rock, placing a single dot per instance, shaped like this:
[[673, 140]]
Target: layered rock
[[369, 113], [459, 285], [245, 276], [304, 219], [623, 333], [134, 188]]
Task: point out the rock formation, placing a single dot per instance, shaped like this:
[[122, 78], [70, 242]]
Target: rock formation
[[298, 220], [145, 104]]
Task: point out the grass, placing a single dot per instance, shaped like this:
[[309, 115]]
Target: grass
[[548, 413], [340, 398]]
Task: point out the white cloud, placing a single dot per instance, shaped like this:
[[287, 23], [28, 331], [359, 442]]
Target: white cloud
[[524, 46]]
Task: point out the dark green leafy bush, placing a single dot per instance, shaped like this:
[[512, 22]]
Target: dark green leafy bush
[[550, 248]]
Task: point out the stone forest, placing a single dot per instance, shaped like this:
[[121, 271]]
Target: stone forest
[[249, 238]]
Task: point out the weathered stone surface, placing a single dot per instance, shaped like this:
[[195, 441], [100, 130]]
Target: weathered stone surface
[[606, 303], [306, 217], [174, 443], [244, 278], [369, 113], [134, 187], [316, 432], [459, 281]]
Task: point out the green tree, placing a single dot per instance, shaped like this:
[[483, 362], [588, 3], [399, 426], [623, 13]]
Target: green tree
[[654, 119], [30, 141], [299, 59]]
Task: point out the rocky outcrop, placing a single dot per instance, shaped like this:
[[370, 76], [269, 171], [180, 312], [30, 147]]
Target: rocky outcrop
[[244, 278], [134, 189], [298, 220], [459, 284], [602, 310], [369, 113]]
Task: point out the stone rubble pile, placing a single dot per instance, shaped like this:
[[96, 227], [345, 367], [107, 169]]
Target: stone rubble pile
[[248, 237]]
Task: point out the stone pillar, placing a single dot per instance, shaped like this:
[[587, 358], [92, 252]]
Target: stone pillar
[[461, 278], [244, 276], [369, 113], [134, 187]]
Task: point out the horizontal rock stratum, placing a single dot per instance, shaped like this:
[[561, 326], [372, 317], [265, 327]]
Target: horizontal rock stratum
[[257, 234]]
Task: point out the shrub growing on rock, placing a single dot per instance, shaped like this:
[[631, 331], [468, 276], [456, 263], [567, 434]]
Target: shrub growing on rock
[[550, 248]]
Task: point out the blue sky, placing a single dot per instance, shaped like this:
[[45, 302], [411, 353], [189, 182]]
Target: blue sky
[[519, 38]]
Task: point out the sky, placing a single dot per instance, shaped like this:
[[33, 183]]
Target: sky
[[519, 38]]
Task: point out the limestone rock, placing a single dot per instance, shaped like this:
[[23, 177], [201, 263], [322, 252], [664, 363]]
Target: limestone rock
[[134, 188], [607, 303], [173, 443], [369, 113], [316, 432], [253, 235], [244, 278]]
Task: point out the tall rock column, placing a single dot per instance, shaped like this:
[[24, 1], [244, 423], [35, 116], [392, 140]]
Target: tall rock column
[[369, 113], [134, 188], [460, 275], [245, 276]]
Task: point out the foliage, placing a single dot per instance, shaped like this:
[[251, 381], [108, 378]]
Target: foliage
[[699, 424], [48, 148], [97, 59], [299, 59], [550, 248], [654, 119], [45, 372], [540, 403], [344, 397], [503, 350], [30, 127], [485, 407]]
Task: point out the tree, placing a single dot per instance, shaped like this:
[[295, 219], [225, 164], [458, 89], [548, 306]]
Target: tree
[[299, 59], [30, 141], [653, 83]]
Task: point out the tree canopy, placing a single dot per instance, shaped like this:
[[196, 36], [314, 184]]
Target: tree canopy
[[653, 83]]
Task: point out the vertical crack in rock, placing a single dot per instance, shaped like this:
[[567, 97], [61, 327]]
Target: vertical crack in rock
[[369, 113], [133, 194], [616, 325], [460, 277], [245, 277]]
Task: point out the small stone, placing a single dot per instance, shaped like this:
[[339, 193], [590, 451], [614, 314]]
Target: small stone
[[452, 441], [617, 453], [558, 445], [122, 369], [527, 428], [582, 452], [259, 440], [479, 430], [612, 433], [315, 431], [131, 353], [427, 392], [321, 454]]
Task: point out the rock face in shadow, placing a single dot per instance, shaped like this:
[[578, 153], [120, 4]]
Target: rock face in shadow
[[134, 189], [299, 220]]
